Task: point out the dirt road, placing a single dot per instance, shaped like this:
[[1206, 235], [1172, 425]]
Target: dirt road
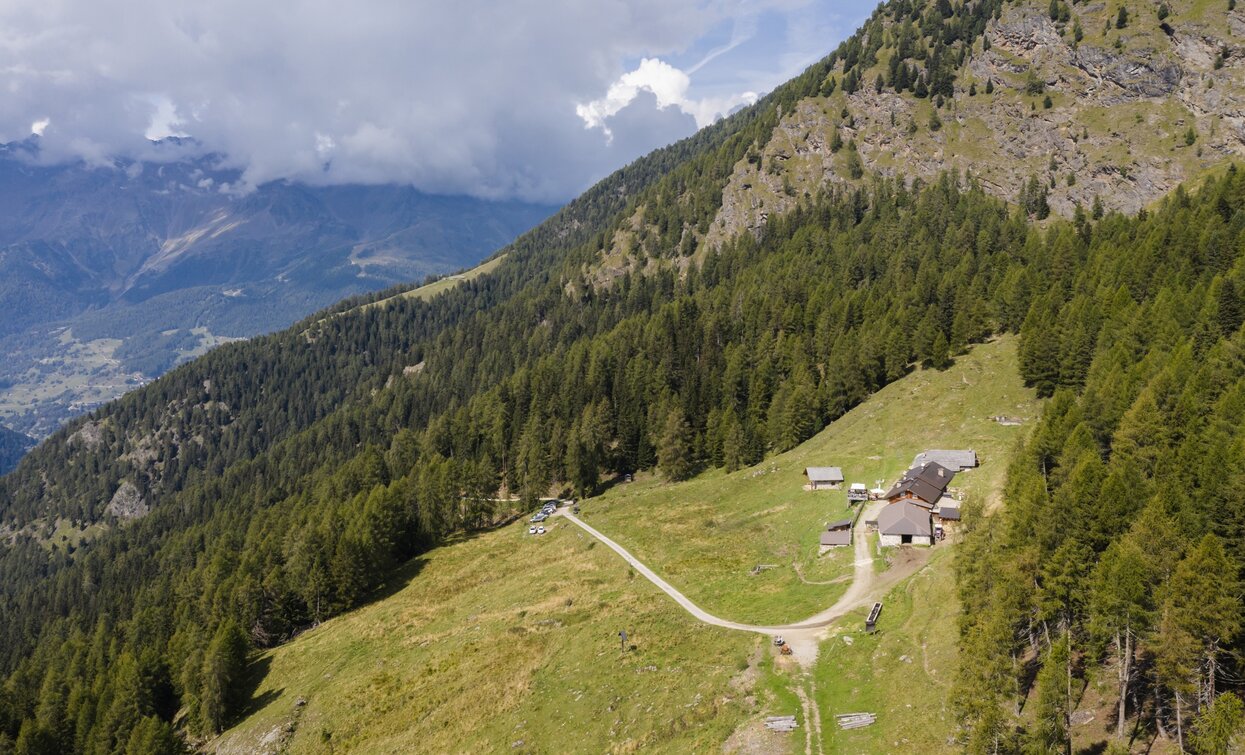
[[803, 636]]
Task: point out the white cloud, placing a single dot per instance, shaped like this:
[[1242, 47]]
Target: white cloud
[[164, 121], [470, 96], [669, 85], [38, 127]]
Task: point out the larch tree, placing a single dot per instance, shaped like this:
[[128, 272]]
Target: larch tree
[[1121, 610], [1220, 730]]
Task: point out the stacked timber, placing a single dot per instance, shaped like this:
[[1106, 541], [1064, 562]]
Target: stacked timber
[[780, 723], [855, 720]]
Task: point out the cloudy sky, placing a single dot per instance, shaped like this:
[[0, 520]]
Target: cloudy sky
[[530, 99]]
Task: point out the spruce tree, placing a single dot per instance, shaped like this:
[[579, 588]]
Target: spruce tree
[[674, 447], [1220, 729]]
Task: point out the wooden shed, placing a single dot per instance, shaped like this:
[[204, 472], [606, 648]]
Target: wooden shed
[[824, 478]]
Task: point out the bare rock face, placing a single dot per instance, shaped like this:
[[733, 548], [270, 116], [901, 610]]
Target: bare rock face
[[127, 503], [89, 435], [1138, 75], [1131, 114]]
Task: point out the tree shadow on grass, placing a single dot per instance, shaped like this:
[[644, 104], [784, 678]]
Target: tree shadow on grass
[[256, 672], [395, 582]]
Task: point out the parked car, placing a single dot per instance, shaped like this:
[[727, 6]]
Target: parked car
[[531, 530], [540, 530]]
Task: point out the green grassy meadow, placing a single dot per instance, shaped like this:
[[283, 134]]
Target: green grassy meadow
[[503, 641], [902, 672], [430, 290], [705, 536]]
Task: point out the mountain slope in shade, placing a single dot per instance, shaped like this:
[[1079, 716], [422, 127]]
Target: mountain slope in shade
[[13, 446], [109, 276]]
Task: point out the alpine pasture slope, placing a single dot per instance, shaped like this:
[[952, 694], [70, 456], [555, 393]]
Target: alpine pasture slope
[[507, 641]]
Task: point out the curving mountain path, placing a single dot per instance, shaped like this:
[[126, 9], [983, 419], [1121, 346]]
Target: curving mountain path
[[803, 636]]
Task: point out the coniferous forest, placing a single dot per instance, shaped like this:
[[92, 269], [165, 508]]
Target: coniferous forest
[[287, 476], [1123, 536]]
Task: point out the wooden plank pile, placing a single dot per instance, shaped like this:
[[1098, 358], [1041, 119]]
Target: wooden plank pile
[[780, 723], [855, 720]]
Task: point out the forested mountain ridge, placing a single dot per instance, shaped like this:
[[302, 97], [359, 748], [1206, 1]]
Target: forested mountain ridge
[[1052, 107], [285, 476], [1121, 548]]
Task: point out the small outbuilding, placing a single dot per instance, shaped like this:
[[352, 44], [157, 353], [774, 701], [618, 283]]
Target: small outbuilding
[[824, 478], [857, 492], [835, 539], [904, 522], [837, 534]]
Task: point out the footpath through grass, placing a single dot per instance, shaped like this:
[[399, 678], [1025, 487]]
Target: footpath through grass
[[707, 536]]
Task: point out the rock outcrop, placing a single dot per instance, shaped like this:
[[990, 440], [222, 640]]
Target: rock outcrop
[[127, 503], [1121, 117]]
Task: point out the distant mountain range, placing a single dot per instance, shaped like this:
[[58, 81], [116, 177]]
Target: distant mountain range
[[111, 275]]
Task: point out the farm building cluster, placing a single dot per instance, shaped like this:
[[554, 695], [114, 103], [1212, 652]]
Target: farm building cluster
[[919, 504]]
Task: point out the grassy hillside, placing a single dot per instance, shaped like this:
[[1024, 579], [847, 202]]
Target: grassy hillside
[[706, 535], [507, 641], [288, 476], [903, 672], [504, 642], [429, 290]]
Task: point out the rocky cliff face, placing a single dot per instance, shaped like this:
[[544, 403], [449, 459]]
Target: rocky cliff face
[[1121, 115]]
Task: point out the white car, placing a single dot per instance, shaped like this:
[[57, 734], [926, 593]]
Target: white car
[[532, 530], [540, 530]]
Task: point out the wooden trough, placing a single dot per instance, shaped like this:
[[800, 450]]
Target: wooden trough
[[871, 623]]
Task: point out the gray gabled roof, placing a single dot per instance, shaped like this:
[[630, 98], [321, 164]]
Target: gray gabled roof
[[824, 474], [904, 518], [957, 460], [837, 537], [839, 524], [949, 512]]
